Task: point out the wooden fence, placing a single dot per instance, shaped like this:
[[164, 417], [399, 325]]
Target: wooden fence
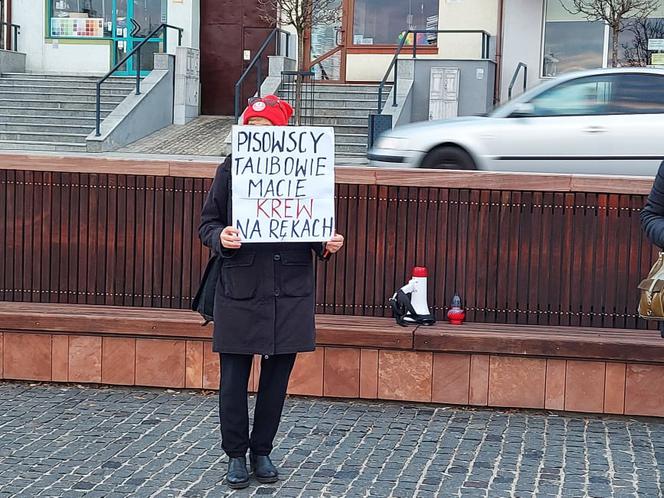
[[549, 250]]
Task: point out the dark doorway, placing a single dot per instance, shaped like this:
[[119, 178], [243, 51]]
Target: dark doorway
[[228, 28]]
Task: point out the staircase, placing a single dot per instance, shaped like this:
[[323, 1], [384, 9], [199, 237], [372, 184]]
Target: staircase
[[53, 112], [347, 109]]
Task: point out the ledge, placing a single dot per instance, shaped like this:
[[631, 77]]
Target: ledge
[[543, 341], [338, 330], [158, 323], [484, 180]]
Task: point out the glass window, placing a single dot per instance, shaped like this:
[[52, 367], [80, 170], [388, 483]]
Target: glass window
[[639, 94], [147, 16], [324, 39], [571, 43], [633, 40], [81, 18], [584, 96], [383, 22]]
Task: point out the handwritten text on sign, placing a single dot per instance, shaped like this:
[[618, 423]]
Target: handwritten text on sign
[[283, 183]]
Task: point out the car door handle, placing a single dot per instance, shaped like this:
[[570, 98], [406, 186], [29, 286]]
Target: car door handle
[[595, 129]]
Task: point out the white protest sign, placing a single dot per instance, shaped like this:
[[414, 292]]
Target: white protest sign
[[283, 183]]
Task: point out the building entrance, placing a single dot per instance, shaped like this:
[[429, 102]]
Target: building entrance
[[232, 31], [125, 22], [134, 20]]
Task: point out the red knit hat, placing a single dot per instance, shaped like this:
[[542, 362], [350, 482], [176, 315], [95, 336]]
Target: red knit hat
[[270, 107]]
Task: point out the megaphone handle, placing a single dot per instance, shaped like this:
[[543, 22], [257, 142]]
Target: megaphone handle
[[409, 287]]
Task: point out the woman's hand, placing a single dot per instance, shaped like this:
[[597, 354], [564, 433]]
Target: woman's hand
[[335, 243], [230, 238]]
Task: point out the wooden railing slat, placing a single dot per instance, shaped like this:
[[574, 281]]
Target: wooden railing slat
[[536, 257]]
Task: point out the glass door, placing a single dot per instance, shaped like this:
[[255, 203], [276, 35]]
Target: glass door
[[134, 20], [326, 47]]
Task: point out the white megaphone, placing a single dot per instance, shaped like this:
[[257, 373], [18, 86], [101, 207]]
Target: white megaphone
[[409, 303]]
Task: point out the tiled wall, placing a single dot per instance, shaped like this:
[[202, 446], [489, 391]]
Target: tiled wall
[[348, 372], [482, 380]]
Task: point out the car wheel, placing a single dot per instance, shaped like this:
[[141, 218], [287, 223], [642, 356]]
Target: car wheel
[[448, 157]]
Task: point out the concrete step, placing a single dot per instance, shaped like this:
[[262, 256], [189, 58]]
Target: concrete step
[[90, 98], [368, 104], [29, 136], [63, 90], [339, 120], [341, 95], [66, 77], [45, 146], [70, 105], [48, 116], [338, 111], [343, 154], [12, 126], [354, 148], [339, 88], [79, 83], [351, 138], [54, 112], [350, 129], [371, 105]]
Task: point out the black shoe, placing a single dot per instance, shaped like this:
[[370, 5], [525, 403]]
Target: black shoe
[[237, 476], [262, 467]]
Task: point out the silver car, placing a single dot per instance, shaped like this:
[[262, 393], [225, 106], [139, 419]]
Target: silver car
[[608, 121]]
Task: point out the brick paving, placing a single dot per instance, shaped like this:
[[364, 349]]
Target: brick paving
[[203, 136], [70, 441]]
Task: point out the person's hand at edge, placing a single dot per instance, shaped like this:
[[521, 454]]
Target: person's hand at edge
[[335, 243], [230, 238]]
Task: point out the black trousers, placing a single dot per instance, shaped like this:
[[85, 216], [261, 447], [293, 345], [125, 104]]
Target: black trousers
[[233, 408]]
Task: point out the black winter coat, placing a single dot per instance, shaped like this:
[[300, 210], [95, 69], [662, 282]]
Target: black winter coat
[[652, 216], [264, 302]]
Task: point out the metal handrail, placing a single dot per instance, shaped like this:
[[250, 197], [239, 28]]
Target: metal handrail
[[258, 60], [306, 94], [519, 66], [137, 52], [486, 41], [16, 29]]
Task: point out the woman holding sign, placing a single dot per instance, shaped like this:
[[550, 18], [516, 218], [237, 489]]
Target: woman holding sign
[[264, 304]]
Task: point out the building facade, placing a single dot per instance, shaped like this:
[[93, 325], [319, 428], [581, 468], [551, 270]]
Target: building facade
[[361, 44], [91, 36], [550, 40]]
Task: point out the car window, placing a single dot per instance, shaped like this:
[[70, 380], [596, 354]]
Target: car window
[[639, 94], [583, 96]]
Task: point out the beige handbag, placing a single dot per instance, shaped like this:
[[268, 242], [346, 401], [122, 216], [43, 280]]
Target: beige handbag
[[651, 303]]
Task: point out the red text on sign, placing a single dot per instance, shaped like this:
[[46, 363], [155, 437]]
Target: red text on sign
[[285, 208]]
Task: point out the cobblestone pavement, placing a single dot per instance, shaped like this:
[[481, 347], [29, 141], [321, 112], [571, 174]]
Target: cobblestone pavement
[[114, 442], [203, 136]]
